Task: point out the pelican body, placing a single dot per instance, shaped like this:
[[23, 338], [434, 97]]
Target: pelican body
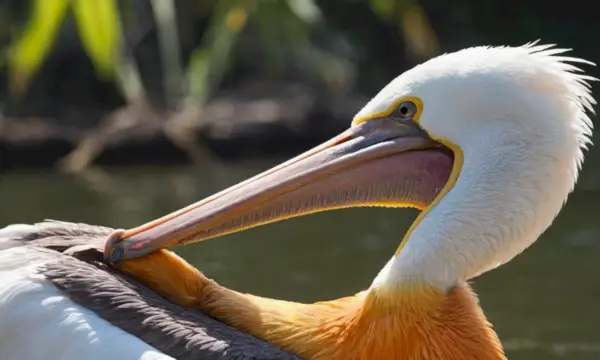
[[59, 301], [487, 142]]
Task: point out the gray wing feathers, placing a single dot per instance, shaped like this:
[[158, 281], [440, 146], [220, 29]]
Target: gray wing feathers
[[176, 331]]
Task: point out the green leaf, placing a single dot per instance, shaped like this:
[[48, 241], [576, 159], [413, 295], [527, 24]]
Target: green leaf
[[211, 59], [99, 28], [30, 50], [384, 8]]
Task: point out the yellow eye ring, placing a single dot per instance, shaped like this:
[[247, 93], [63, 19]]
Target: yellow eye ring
[[392, 108]]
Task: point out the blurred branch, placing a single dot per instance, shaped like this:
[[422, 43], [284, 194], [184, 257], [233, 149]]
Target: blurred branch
[[174, 123], [123, 122], [206, 69], [112, 58], [290, 40]]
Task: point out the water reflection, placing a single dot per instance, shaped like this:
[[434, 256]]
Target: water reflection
[[543, 304]]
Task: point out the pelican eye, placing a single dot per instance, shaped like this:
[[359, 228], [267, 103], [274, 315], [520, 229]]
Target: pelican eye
[[406, 110]]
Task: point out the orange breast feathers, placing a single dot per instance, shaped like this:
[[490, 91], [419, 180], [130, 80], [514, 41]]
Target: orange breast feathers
[[408, 323]]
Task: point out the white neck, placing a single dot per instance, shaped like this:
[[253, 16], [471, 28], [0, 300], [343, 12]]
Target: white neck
[[510, 188]]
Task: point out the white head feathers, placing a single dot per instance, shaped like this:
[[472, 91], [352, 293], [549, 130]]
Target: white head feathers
[[519, 116], [494, 78]]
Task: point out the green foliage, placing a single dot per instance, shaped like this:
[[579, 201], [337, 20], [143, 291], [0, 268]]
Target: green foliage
[[98, 27], [282, 30], [28, 53], [210, 60], [100, 31], [281, 25]]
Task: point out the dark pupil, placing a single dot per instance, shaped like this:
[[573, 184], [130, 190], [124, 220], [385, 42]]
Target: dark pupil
[[404, 110]]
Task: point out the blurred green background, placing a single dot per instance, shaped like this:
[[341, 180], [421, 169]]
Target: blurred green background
[[116, 112]]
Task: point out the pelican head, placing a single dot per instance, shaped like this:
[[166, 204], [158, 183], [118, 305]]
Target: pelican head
[[486, 141]]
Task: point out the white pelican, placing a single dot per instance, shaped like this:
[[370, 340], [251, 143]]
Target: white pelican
[[54, 306], [487, 142]]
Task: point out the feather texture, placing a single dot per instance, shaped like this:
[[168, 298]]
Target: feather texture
[[413, 323], [38, 322], [59, 301]]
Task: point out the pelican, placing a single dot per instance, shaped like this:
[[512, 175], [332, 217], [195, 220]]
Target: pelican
[[487, 142]]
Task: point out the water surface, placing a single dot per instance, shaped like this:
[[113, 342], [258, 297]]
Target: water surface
[[544, 304]]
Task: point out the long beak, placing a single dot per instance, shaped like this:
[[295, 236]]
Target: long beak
[[367, 165]]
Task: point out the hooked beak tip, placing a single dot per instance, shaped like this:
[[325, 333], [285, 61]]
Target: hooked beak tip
[[113, 253]]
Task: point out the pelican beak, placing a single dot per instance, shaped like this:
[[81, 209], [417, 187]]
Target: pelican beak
[[380, 162]]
